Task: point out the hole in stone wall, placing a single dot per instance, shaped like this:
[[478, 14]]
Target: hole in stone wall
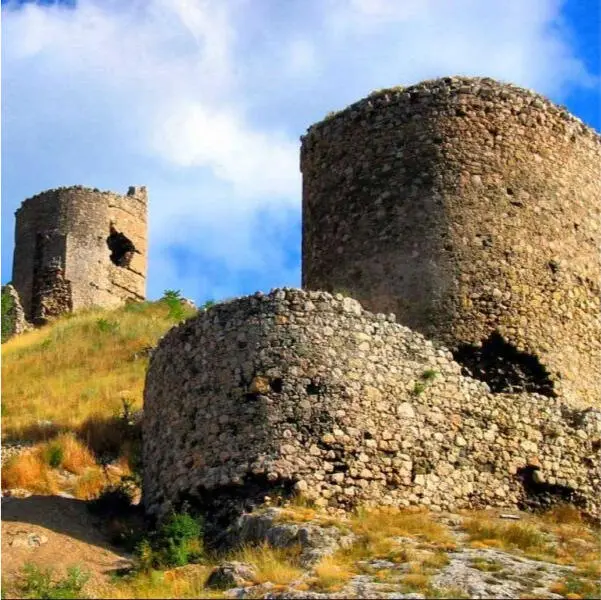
[[121, 247], [542, 495], [503, 367], [554, 266], [314, 388], [276, 385]]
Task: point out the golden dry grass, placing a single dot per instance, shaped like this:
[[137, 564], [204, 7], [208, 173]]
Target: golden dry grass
[[185, 582], [276, 565], [559, 535], [331, 573], [77, 367], [392, 522], [76, 456], [29, 471], [34, 471], [378, 532]]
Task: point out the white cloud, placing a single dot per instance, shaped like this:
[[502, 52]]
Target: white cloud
[[204, 101]]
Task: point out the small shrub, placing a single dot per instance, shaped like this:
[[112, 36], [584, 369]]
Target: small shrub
[[173, 300], [177, 542], [208, 304], [429, 374], [419, 388], [108, 326], [38, 583], [342, 291], [54, 455], [75, 456]]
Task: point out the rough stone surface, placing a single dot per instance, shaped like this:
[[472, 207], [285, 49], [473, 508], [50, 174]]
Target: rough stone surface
[[265, 527], [230, 574], [465, 206], [76, 247], [299, 391], [16, 314]]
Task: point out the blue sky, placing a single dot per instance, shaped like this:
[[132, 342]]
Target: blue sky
[[204, 102]]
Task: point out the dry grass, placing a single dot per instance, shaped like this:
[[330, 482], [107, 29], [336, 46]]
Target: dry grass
[[559, 536], [29, 471], [391, 522], [277, 565], [574, 588], [416, 582], [331, 573], [42, 468], [523, 536], [74, 368], [184, 582], [378, 532], [76, 457]]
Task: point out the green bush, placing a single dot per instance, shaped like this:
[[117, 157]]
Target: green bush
[[107, 325], [177, 542], [38, 583], [7, 317], [173, 299], [54, 455]]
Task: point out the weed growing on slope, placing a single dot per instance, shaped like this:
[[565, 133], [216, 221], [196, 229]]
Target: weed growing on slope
[[177, 542], [38, 583]]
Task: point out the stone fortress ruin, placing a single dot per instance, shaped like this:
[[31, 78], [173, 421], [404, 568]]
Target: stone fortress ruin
[[445, 350], [471, 210], [76, 247]]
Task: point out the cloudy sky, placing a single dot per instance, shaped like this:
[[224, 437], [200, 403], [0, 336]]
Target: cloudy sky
[[204, 101]]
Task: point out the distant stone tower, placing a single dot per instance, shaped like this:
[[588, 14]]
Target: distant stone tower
[[472, 210], [76, 247]]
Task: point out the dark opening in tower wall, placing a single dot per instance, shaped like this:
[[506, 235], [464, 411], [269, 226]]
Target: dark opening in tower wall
[[121, 247], [503, 367]]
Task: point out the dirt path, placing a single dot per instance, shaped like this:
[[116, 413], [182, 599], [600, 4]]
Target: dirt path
[[57, 532]]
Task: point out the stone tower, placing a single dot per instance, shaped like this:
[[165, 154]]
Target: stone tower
[[76, 247], [472, 210]]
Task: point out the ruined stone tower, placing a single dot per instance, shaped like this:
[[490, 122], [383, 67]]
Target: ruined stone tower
[[76, 247], [472, 210]]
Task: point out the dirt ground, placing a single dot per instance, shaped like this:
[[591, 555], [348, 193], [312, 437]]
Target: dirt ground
[[57, 532]]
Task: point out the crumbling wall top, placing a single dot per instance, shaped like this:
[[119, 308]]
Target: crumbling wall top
[[452, 89]]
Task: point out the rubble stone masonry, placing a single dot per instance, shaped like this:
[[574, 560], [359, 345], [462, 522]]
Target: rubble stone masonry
[[308, 392], [470, 209]]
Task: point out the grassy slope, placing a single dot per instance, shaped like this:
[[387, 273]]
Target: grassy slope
[[82, 366]]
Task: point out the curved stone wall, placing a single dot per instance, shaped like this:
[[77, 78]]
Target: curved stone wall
[[465, 206], [304, 391], [62, 260]]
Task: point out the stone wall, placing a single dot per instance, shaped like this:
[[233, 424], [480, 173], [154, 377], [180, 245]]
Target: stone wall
[[13, 318], [303, 391], [469, 208], [62, 259]]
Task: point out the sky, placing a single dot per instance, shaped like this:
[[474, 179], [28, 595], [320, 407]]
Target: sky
[[204, 102]]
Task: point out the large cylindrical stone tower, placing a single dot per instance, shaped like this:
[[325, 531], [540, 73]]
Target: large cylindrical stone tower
[[472, 210], [76, 247]]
